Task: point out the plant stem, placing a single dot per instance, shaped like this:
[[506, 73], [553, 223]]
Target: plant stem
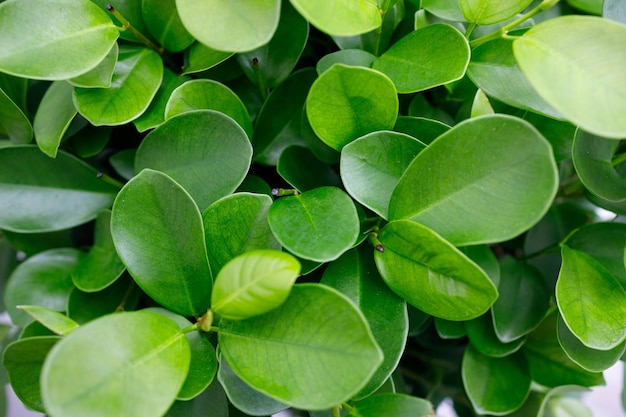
[[618, 159], [254, 63], [127, 25], [129, 292], [104, 177], [373, 238], [194, 327], [336, 411], [469, 30], [282, 192]]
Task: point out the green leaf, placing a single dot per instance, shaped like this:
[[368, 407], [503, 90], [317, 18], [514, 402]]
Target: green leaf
[[509, 181], [136, 79], [70, 38], [101, 75], [211, 95], [35, 191], [431, 274], [121, 364], [122, 295], [448, 329], [488, 12], [301, 169], [211, 402], [319, 224], [592, 58], [482, 336], [591, 301], [589, 6], [253, 283], [481, 105], [615, 10], [13, 122], [340, 17], [565, 401], [158, 234], [199, 57], [423, 129], [372, 165], [57, 322], [559, 133], [54, 115], [214, 22], [131, 10], [23, 360], [322, 358], [415, 62], [163, 22], [205, 151], [355, 275], [350, 57], [101, 266], [43, 280], [495, 386], [398, 405], [444, 9], [347, 102], [123, 162], [593, 160]]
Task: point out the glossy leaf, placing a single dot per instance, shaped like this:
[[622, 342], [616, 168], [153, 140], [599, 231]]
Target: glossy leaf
[[319, 224], [212, 402], [488, 12], [398, 405], [203, 150], [559, 133], [448, 329], [591, 301], [301, 169], [101, 75], [29, 178], [136, 79], [372, 165], [163, 22], [131, 10], [415, 62], [591, 58], [150, 358], [340, 17], [70, 38], [322, 358], [253, 283], [54, 115], [13, 122], [43, 280], [445, 9], [506, 186], [423, 129], [347, 102], [563, 402], [199, 57], [431, 274], [122, 295], [57, 322], [123, 162], [214, 22], [483, 338], [351, 57], [158, 234], [495, 386]]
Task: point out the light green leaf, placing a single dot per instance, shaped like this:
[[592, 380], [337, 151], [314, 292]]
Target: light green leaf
[[481, 105], [29, 179], [592, 57], [372, 165], [70, 38], [136, 79], [319, 224], [101, 75], [211, 402], [54, 115], [347, 102], [53, 320], [431, 274], [163, 22], [205, 151], [591, 301], [13, 122], [121, 364], [444, 9], [253, 283], [398, 405], [340, 17], [321, 358], [415, 62], [214, 22], [488, 12], [158, 234], [508, 181]]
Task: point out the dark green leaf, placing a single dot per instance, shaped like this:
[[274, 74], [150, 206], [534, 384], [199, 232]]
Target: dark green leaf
[[301, 169], [484, 339], [352, 57], [54, 115], [163, 22], [423, 129], [212, 402], [122, 295], [199, 57], [13, 122]]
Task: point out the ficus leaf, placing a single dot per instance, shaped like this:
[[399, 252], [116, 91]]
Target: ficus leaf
[[54, 115], [13, 122], [57, 322], [488, 12], [342, 17]]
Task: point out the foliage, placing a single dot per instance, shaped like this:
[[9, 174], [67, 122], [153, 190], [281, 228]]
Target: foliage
[[355, 207]]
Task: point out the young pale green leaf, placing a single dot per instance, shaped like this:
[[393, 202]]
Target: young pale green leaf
[[163, 22], [593, 360], [593, 160], [319, 224], [482, 336], [101, 75], [322, 358], [347, 102], [44, 280], [423, 129], [591, 301], [136, 79], [70, 38], [253, 283], [23, 360], [488, 12], [372, 165], [57, 322], [210, 95], [157, 231], [101, 266], [214, 22], [592, 57], [615, 10], [121, 364], [415, 62], [495, 386], [54, 115], [444, 9], [340, 17], [29, 178], [431, 274], [13, 122], [481, 105], [488, 179], [301, 169], [199, 57], [355, 275], [350, 57], [397, 405]]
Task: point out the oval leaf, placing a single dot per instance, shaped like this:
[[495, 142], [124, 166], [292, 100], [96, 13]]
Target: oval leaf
[[101, 75], [54, 115], [508, 181], [57, 322], [163, 22], [340, 17], [397, 405], [13, 122], [482, 336], [488, 12]]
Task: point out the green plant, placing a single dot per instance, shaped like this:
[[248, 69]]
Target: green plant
[[345, 207]]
